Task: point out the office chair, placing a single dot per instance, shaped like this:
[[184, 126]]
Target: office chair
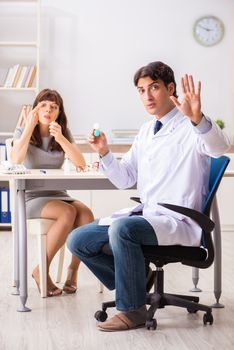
[[39, 227], [200, 257]]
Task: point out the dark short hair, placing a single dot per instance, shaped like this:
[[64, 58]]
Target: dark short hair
[[156, 70]]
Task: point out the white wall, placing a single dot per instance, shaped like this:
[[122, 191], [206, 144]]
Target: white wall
[[91, 50]]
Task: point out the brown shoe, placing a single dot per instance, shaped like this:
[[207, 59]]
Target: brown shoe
[[117, 323]]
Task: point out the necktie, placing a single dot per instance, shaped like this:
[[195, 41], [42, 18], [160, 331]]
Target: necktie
[[157, 126]]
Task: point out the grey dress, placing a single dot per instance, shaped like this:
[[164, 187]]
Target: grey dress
[[42, 158]]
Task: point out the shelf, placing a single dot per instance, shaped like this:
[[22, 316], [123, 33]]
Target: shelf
[[18, 1], [19, 43], [5, 225], [7, 133], [18, 89]]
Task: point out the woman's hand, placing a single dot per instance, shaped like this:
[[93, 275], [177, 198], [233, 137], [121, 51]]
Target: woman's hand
[[56, 131], [191, 101], [31, 119], [98, 143]]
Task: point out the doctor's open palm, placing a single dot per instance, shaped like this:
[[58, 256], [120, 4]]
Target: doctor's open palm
[[191, 100]]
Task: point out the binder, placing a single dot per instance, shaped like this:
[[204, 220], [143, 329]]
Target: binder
[[5, 213], [3, 154]]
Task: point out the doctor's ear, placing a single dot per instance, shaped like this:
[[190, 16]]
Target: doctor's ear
[[171, 88]]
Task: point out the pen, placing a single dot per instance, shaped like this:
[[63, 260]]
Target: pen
[[42, 171]]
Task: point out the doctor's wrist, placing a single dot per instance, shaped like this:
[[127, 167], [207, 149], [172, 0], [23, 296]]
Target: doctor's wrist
[[195, 121], [103, 153]]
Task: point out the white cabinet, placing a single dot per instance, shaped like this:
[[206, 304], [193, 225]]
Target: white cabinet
[[104, 203]]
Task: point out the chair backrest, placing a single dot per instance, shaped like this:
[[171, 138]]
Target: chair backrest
[[217, 169], [192, 256]]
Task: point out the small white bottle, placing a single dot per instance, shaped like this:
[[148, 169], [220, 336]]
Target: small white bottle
[[67, 166]]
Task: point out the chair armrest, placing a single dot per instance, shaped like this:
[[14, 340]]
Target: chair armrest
[[201, 219], [136, 199]]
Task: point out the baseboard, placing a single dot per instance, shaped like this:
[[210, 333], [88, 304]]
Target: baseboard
[[227, 228]]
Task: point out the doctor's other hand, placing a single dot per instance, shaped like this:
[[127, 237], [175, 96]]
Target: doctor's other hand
[[98, 143]]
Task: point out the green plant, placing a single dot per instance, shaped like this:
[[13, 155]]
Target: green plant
[[220, 123]]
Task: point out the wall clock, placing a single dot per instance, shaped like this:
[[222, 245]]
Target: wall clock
[[208, 30]]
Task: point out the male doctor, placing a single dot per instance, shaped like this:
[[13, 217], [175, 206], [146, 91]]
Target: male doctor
[[170, 162]]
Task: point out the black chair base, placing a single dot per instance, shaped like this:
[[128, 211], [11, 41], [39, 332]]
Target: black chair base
[[158, 300]]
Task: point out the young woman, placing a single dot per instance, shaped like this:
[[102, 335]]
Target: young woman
[[42, 144]]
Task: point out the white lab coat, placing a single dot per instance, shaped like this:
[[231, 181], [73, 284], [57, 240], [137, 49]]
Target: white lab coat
[[171, 167]]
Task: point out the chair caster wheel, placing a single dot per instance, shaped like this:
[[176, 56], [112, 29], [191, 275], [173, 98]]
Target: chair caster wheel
[[100, 315], [208, 318], [190, 311], [151, 324]]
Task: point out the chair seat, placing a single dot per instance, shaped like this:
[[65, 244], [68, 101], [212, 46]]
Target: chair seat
[[39, 226], [168, 252], [174, 253]]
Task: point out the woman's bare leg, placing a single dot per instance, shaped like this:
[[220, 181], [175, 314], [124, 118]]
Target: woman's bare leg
[[64, 215], [83, 216]]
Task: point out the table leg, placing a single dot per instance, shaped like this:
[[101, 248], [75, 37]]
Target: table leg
[[218, 255], [16, 257], [22, 251]]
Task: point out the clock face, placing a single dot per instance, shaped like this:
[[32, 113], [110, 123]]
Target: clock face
[[208, 30]]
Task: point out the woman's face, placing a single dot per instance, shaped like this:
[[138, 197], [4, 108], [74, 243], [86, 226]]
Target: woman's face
[[48, 112]]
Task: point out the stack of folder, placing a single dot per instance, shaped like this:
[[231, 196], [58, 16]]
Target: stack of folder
[[5, 212]]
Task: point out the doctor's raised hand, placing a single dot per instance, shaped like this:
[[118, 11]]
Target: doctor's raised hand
[[98, 143], [190, 105]]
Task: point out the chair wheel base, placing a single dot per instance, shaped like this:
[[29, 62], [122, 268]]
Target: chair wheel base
[[208, 318], [151, 324], [100, 315], [190, 311]]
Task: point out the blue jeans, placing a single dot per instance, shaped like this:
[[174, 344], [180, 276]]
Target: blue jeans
[[125, 269]]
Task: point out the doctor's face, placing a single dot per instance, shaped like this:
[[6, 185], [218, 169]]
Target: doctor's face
[[156, 96]]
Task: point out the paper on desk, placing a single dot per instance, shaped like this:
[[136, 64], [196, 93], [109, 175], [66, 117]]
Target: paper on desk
[[9, 168]]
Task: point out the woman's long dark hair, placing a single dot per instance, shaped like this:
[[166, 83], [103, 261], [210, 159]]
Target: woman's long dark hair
[[53, 96]]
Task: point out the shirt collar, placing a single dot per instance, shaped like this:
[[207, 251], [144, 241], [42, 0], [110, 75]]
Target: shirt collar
[[167, 116]]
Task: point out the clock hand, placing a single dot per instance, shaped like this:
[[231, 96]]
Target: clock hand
[[207, 29]]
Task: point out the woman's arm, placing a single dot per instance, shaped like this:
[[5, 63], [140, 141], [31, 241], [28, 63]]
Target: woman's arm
[[20, 146], [71, 149]]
